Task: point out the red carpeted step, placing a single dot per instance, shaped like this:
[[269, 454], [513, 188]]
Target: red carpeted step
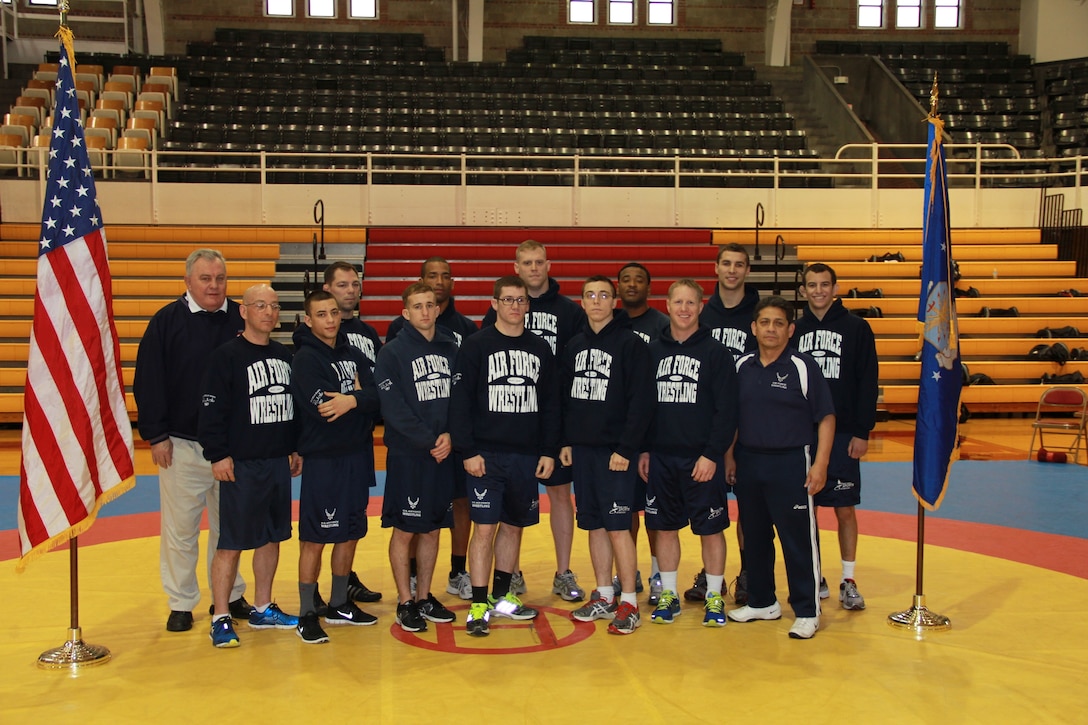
[[493, 269], [615, 253], [483, 287], [514, 236]]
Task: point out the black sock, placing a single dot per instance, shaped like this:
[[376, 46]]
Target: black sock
[[457, 564], [500, 586], [479, 595]]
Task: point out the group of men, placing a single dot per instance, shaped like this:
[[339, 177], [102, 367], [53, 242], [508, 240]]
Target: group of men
[[642, 411]]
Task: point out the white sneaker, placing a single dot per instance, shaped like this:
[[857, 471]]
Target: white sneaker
[[804, 627], [461, 585], [749, 614]]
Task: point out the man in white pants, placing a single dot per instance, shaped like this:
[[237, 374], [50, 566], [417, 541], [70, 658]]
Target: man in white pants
[[170, 365]]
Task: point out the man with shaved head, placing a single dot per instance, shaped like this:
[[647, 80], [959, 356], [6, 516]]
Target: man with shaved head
[[248, 432]]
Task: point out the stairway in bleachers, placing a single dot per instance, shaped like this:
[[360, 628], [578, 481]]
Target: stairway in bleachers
[[1008, 267]]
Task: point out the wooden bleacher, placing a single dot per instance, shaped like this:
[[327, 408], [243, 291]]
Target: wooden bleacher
[[148, 264], [1008, 267]]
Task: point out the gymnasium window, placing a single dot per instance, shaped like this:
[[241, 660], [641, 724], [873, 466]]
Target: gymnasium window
[[908, 14], [580, 11], [280, 8], [48, 3], [365, 9], [660, 12], [870, 13], [947, 14], [322, 9], [621, 12]]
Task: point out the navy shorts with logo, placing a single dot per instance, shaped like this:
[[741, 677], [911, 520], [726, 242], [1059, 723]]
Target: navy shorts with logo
[[604, 499], [843, 487], [507, 493], [255, 508], [418, 493], [335, 492], [673, 500]]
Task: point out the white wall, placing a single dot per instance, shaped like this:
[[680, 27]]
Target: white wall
[[1053, 30]]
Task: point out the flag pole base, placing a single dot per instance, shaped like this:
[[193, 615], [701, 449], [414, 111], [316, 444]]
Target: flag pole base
[[73, 654], [919, 618]]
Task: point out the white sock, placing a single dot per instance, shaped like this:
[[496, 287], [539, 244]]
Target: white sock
[[653, 566], [629, 597], [263, 609], [848, 570], [607, 594], [714, 584], [668, 581]]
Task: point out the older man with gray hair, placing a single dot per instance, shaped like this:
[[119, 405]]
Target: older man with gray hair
[[170, 366]]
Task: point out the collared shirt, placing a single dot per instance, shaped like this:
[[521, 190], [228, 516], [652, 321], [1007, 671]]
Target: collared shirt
[[194, 307]]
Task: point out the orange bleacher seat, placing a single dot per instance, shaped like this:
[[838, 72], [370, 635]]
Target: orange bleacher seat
[[11, 153], [94, 73], [131, 156], [85, 91], [30, 106], [161, 93], [111, 108], [153, 110], [165, 75], [96, 151], [20, 125], [47, 72], [119, 91], [102, 126], [145, 128]]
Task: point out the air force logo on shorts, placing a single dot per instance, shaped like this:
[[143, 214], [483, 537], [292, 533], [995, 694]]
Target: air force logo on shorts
[[412, 512], [330, 522], [651, 504], [478, 502]]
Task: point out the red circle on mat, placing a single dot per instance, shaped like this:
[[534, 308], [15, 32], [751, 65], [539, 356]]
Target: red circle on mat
[[552, 629]]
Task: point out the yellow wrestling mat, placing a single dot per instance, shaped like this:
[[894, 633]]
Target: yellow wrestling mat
[[1016, 651]]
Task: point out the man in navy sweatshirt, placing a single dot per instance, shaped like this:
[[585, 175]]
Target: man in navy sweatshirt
[[555, 319], [343, 283], [436, 273], [336, 399], [694, 423], [170, 365], [845, 348], [505, 421], [248, 432], [414, 374], [728, 314], [608, 404]]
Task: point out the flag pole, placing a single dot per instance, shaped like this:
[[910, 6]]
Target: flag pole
[[919, 618], [74, 653]]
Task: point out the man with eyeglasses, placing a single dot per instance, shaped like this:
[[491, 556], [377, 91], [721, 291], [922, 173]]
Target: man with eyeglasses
[[608, 403], [170, 365], [505, 421], [248, 431], [556, 319]]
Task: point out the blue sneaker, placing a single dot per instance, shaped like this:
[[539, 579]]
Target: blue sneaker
[[715, 611], [272, 618], [668, 607], [222, 633]]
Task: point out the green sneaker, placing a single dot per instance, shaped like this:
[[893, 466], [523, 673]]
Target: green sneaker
[[476, 624], [511, 607], [715, 611]]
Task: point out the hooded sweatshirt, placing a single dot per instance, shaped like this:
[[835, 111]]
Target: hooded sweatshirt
[[607, 388], [732, 326], [844, 347], [696, 396], [414, 377], [247, 410], [505, 396], [552, 317], [358, 334], [318, 368]]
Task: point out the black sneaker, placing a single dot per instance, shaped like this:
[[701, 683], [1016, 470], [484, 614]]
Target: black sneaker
[[697, 593], [240, 609], [740, 589], [309, 630], [409, 619], [358, 591], [348, 613], [432, 609], [179, 621]]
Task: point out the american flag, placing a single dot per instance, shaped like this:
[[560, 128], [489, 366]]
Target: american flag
[[77, 439]]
